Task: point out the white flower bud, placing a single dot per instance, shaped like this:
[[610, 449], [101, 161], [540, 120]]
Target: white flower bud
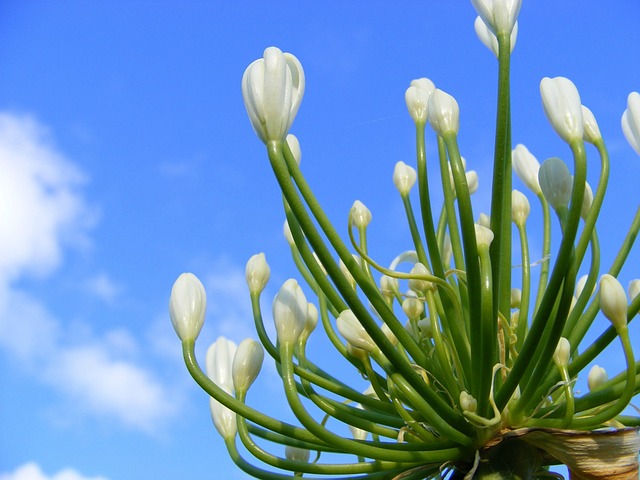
[[223, 418], [484, 236], [312, 320], [317, 259], [347, 274], [419, 285], [633, 289], [472, 181], [582, 281], [417, 99], [353, 331], [484, 220], [443, 113], [526, 167], [425, 327], [389, 334], [218, 362], [467, 402], [289, 311], [587, 200], [520, 208], [631, 121], [487, 37], [498, 15], [591, 129], [516, 297], [562, 353], [359, 215], [413, 307], [556, 182], [358, 433], [597, 376], [447, 250], [561, 102], [404, 177], [272, 89], [257, 273], [296, 454], [247, 363], [388, 287], [613, 301], [187, 306], [286, 231], [294, 146]]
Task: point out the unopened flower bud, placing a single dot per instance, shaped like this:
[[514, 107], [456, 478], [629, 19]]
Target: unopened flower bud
[[286, 231], [312, 320], [219, 360], [613, 301], [224, 419], [488, 38], [562, 353], [556, 182], [296, 454], [317, 259], [388, 287], [631, 121], [443, 113], [467, 402], [294, 146], [587, 200], [247, 363], [526, 167], [272, 89], [597, 376], [580, 284], [389, 334], [420, 285], [358, 433], [561, 102], [417, 99], [499, 15], [347, 274], [591, 129], [520, 208], [633, 289], [353, 331], [257, 273], [187, 306], [413, 307], [359, 215], [484, 220], [404, 177], [289, 312], [484, 236], [516, 297], [472, 181]]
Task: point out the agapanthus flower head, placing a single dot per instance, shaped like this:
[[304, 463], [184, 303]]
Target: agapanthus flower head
[[272, 89], [290, 311]]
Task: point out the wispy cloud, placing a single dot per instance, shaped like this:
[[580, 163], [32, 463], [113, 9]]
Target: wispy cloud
[[32, 471], [42, 213]]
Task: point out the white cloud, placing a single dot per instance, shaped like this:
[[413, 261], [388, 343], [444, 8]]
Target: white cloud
[[32, 471], [43, 212], [41, 207]]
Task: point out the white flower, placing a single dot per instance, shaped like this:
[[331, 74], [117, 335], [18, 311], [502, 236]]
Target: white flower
[[272, 89], [484, 236], [443, 113], [631, 121], [289, 311], [556, 182], [633, 289], [294, 146], [359, 215], [257, 273], [613, 301], [562, 353], [296, 454], [223, 418], [420, 285], [561, 102], [219, 360], [499, 15], [417, 98], [187, 306], [591, 129], [526, 167], [597, 376], [247, 363], [353, 331], [587, 200], [467, 402], [404, 177], [520, 208], [488, 38]]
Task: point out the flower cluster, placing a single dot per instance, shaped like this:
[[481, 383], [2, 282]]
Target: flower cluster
[[471, 367]]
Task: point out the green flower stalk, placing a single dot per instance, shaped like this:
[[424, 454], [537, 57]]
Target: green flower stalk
[[472, 367]]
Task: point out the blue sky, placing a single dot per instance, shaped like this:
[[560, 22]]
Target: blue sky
[[126, 158]]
